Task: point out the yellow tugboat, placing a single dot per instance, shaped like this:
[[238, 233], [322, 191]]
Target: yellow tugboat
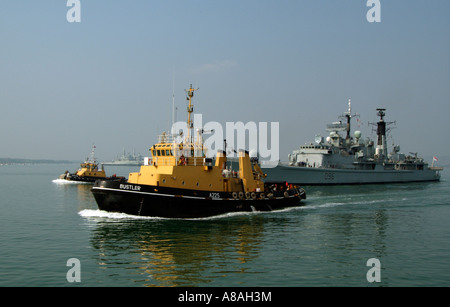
[[88, 171], [179, 181]]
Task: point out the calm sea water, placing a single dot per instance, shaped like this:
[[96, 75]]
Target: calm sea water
[[327, 242]]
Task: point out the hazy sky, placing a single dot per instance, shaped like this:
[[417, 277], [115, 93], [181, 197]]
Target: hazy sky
[[108, 80]]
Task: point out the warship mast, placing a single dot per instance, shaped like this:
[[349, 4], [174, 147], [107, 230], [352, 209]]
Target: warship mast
[[348, 115], [381, 149]]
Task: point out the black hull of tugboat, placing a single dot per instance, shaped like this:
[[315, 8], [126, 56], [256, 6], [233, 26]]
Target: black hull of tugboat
[[156, 201], [84, 179]]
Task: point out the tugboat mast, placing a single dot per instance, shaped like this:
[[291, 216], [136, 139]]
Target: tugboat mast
[[190, 109], [91, 158]]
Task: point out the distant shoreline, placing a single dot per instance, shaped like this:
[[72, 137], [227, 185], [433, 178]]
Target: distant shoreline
[[14, 161]]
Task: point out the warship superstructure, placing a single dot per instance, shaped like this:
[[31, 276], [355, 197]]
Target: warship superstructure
[[127, 159], [340, 159]]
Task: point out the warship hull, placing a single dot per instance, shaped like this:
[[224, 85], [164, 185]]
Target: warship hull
[[156, 201], [333, 176]]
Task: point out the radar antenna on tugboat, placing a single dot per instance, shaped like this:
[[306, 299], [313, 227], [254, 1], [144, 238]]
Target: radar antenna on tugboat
[[190, 109]]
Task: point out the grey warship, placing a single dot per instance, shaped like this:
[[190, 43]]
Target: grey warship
[[352, 160]]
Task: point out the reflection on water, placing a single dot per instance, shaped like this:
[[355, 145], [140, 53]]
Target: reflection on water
[[325, 242], [177, 252], [296, 244]]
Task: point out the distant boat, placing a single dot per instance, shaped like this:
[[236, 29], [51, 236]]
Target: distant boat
[[351, 160], [87, 173], [129, 159]]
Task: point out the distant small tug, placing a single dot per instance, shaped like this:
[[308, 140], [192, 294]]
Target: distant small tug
[[180, 182], [88, 172]]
